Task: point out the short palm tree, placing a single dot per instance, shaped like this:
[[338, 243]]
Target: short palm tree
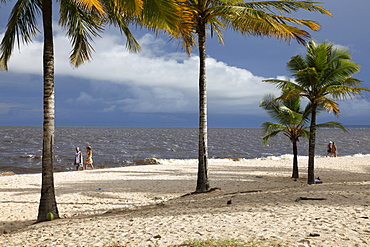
[[292, 120], [83, 20], [322, 76], [264, 18]]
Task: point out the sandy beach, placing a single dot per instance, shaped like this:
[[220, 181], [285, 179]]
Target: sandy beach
[[143, 205]]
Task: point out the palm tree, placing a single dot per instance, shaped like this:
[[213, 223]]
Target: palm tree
[[292, 121], [248, 18], [83, 20], [322, 76]]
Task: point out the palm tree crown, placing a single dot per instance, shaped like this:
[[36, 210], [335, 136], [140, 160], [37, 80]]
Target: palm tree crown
[[324, 72], [249, 18], [292, 121]]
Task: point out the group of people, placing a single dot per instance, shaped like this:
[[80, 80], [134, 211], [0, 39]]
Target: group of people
[[79, 161], [332, 150]]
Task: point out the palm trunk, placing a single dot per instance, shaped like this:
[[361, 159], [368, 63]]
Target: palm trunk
[[311, 147], [202, 181], [47, 201], [295, 173]]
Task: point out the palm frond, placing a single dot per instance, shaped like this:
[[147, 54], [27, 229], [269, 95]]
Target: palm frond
[[328, 104], [340, 69], [332, 125], [259, 23], [216, 28], [280, 84], [22, 26], [351, 82], [260, 19], [126, 7], [270, 130], [253, 18], [306, 113], [305, 133], [286, 110], [188, 40], [296, 63], [276, 109], [82, 25], [342, 92], [290, 90], [267, 100], [317, 55], [307, 78], [161, 14], [90, 5], [120, 14], [272, 127], [288, 6]]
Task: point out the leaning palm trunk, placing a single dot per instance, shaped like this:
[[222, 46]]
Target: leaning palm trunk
[[47, 201], [202, 181], [295, 173], [311, 147]]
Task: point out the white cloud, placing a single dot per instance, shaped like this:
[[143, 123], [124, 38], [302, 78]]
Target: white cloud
[[354, 108], [83, 99], [111, 108], [5, 108], [156, 99], [157, 81]]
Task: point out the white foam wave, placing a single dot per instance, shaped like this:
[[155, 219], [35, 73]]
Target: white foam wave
[[195, 161]]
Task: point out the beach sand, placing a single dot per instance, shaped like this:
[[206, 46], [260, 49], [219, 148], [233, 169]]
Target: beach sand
[[143, 205]]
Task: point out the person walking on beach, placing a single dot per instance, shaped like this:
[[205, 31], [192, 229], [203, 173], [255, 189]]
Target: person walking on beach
[[334, 150], [330, 149], [78, 159], [89, 160]]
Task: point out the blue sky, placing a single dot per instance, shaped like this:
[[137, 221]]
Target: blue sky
[[159, 86]]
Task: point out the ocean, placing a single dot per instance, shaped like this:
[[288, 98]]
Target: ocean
[[21, 147]]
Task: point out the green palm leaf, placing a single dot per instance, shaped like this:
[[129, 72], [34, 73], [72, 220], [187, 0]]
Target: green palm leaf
[[22, 27], [82, 26]]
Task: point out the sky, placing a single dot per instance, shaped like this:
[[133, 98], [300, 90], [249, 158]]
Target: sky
[[158, 87]]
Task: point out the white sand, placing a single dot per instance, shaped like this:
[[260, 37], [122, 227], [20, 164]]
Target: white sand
[[141, 205]]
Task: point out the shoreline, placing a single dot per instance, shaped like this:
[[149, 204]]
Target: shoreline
[[160, 161], [142, 205]]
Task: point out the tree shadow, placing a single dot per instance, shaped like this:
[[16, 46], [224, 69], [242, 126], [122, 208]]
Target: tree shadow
[[257, 186]]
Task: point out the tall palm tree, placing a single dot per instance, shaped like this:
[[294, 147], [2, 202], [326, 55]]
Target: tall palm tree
[[292, 121], [322, 76], [254, 18], [83, 20]]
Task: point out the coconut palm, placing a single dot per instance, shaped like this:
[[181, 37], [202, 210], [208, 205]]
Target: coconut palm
[[292, 121], [83, 20], [264, 18], [322, 76]]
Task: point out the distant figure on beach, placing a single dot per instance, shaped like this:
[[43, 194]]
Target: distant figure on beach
[[79, 159], [330, 149], [334, 150], [89, 160]]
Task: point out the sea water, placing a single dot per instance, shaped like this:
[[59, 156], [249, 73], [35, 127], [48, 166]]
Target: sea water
[[21, 147]]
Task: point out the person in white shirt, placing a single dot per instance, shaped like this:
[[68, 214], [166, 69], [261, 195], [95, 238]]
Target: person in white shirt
[[79, 159]]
